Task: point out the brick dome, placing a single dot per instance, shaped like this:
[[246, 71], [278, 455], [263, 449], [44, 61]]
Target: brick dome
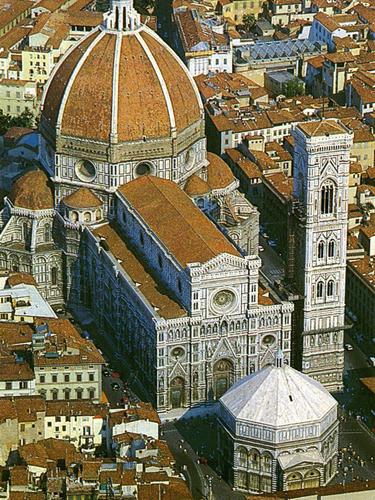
[[120, 86], [32, 191]]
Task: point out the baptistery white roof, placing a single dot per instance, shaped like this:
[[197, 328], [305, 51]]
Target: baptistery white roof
[[278, 397]]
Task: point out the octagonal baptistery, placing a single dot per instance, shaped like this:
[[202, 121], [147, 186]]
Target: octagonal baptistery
[[120, 104], [278, 431]]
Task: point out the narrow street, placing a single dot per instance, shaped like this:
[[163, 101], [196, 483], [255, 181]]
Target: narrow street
[[203, 480], [272, 264]]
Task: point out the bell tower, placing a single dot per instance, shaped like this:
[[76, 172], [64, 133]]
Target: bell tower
[[321, 175]]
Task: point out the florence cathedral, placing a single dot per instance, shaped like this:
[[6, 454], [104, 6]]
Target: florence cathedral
[[130, 217]]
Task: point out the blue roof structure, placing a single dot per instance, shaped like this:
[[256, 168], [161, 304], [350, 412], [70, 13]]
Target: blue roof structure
[[263, 51]]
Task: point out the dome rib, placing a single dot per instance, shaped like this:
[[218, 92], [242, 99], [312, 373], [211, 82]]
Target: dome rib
[[115, 80], [75, 116], [56, 86], [72, 77], [163, 85], [182, 66]]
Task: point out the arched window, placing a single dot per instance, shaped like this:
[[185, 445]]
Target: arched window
[[327, 198], [293, 481], [25, 230], [254, 460], [242, 457], [54, 275], [3, 261], [319, 290], [320, 250], [266, 462], [330, 288], [312, 479], [331, 248], [47, 233], [87, 217]]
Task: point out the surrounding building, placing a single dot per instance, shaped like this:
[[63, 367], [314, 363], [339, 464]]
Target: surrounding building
[[21, 423], [17, 96], [255, 59], [326, 28], [203, 48], [278, 82], [82, 423], [235, 10], [66, 366]]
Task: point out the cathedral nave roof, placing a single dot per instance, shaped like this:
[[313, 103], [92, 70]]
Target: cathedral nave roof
[[153, 291], [187, 233]]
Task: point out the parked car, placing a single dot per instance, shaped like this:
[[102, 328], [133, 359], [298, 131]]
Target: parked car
[[348, 347], [115, 386], [106, 372], [371, 360], [261, 249], [272, 243], [116, 375]]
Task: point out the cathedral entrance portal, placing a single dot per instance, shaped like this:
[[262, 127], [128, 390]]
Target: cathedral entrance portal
[[177, 392], [222, 376]]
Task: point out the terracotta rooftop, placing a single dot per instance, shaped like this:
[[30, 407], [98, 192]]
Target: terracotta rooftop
[[170, 213], [322, 128], [154, 292], [281, 183], [19, 476], [233, 85], [365, 267], [176, 488], [219, 174], [75, 407], [82, 198], [11, 9], [142, 107], [369, 382], [48, 451], [10, 370], [15, 133], [368, 231], [90, 469], [17, 278], [32, 191], [277, 151], [340, 57], [249, 168], [23, 408], [196, 186], [316, 62], [72, 348]]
